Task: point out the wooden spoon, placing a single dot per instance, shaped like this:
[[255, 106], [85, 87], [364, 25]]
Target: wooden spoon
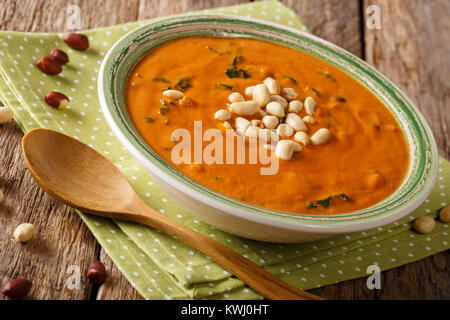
[[82, 178]]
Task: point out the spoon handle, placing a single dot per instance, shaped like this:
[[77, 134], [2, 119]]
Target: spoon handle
[[250, 273]]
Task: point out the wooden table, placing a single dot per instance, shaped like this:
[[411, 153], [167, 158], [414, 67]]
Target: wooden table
[[412, 49]]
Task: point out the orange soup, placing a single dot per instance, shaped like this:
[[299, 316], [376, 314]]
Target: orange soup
[[361, 160]]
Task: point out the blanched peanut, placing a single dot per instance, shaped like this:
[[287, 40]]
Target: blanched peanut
[[321, 136], [424, 224], [257, 123], [295, 106], [265, 134], [222, 115], [302, 137], [24, 232], [5, 115], [284, 130], [235, 97], [289, 93], [270, 122], [173, 94], [252, 132], [286, 148], [242, 124], [262, 113], [309, 119], [275, 108], [272, 85], [294, 121], [261, 95], [244, 108], [310, 105], [444, 214], [280, 100], [249, 91], [296, 147]]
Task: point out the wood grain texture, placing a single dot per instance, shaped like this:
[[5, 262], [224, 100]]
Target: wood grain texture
[[411, 49], [334, 20]]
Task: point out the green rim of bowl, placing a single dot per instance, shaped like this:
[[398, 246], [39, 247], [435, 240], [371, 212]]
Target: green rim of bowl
[[131, 48]]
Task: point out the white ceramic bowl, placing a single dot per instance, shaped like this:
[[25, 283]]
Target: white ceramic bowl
[[237, 217]]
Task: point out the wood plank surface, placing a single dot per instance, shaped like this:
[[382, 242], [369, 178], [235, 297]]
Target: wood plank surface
[[411, 49]]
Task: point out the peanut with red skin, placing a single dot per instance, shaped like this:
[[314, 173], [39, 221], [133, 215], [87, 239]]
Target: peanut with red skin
[[77, 41], [17, 289], [59, 56], [48, 65], [96, 272], [56, 99]]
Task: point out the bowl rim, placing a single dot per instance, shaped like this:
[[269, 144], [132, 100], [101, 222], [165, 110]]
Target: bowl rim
[[291, 221]]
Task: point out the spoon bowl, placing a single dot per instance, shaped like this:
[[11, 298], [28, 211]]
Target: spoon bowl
[[79, 176]]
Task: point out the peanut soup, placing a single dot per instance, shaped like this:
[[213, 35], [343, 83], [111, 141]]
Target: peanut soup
[[339, 150]]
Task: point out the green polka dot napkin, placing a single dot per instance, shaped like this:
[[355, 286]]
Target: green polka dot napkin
[[160, 266]]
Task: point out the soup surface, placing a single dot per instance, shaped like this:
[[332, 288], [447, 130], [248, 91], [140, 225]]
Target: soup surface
[[363, 162]]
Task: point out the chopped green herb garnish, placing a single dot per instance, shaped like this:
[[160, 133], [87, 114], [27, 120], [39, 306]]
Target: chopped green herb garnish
[[290, 78], [225, 86], [313, 89], [377, 127], [163, 102], [149, 119], [328, 75], [340, 99], [160, 79], [281, 120], [168, 88], [183, 84], [343, 196], [171, 103], [217, 178], [162, 110], [215, 51], [311, 205], [325, 202], [234, 71]]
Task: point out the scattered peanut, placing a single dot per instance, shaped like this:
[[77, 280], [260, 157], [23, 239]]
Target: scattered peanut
[[302, 137], [309, 119], [56, 99], [270, 122], [59, 56], [249, 91], [6, 115], [294, 121], [284, 130], [275, 108], [424, 224], [272, 85], [261, 95], [227, 125], [285, 149], [244, 108], [222, 115], [17, 289], [252, 132], [173, 94], [280, 100], [262, 113], [310, 105], [77, 41], [48, 65], [24, 232], [444, 214], [2, 195], [289, 93], [236, 97], [296, 147], [242, 124], [257, 123], [321, 136], [295, 106]]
